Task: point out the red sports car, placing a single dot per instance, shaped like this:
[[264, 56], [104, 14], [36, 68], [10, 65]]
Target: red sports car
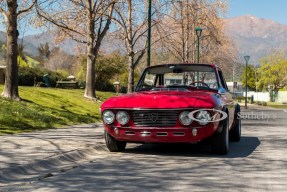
[[174, 103]]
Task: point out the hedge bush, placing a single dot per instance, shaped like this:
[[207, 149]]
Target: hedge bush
[[263, 103], [105, 86], [29, 76]]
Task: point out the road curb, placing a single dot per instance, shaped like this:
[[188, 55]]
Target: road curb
[[22, 174]]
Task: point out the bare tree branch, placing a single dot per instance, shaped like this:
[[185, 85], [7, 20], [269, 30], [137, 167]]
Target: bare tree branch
[[55, 22], [141, 34], [3, 12], [107, 25], [73, 37], [28, 8]]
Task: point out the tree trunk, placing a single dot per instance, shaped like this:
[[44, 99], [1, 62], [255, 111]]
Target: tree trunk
[[129, 41], [131, 73], [183, 59], [90, 91], [187, 31], [11, 78]]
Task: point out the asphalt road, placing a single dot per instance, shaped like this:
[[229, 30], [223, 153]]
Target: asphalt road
[[257, 163]]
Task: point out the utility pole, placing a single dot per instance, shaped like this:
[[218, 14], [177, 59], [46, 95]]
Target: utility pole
[[198, 34]]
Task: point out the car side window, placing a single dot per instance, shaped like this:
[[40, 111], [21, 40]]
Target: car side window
[[149, 79]]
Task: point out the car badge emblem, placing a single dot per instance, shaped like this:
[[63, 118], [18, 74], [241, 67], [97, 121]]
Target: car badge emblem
[[153, 117]]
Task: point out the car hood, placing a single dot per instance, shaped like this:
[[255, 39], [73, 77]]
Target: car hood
[[160, 100]]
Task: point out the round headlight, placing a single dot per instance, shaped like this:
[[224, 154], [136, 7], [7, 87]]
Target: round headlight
[[203, 117], [184, 119], [108, 117], [123, 117]]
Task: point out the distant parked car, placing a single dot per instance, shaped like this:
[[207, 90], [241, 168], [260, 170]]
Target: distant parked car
[[174, 103]]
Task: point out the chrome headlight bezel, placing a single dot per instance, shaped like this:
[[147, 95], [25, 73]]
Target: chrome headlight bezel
[[122, 117], [184, 118], [108, 117], [203, 117]]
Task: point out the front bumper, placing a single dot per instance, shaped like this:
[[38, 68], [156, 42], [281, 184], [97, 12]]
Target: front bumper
[[161, 135]]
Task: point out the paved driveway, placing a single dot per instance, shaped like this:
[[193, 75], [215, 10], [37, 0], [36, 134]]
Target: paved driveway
[[257, 163], [23, 148]]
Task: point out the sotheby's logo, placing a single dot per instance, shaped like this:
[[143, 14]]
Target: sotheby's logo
[[256, 116], [204, 116]]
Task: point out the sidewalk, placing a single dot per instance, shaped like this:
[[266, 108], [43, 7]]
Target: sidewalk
[[24, 156], [265, 114], [251, 107]]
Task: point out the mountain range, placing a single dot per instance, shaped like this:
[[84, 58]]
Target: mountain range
[[256, 37], [253, 36]]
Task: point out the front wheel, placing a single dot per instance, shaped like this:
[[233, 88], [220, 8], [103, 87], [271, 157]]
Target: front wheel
[[220, 142], [114, 145], [235, 132]]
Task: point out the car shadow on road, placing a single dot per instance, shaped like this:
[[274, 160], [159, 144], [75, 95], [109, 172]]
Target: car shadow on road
[[244, 148]]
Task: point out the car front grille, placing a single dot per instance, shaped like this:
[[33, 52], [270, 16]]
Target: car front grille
[[155, 118]]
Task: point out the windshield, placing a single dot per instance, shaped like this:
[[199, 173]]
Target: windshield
[[178, 77]]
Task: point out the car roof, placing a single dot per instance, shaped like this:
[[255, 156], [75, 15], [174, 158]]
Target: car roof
[[168, 68], [179, 64]]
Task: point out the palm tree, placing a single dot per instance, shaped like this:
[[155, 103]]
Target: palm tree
[[44, 51], [21, 52]]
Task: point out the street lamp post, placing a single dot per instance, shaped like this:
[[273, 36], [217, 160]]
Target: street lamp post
[[149, 33], [198, 34], [246, 59], [256, 82]]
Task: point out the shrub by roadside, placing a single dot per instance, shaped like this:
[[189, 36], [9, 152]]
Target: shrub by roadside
[[242, 98], [29, 76], [263, 103]]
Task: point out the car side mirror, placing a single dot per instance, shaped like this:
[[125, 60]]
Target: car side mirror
[[221, 91]]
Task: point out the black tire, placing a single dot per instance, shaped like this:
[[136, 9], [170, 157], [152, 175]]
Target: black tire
[[220, 142], [235, 132], [114, 145]]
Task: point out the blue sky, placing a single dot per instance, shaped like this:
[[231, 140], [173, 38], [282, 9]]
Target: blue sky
[[275, 10]]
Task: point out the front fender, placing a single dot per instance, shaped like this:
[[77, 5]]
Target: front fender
[[221, 123]]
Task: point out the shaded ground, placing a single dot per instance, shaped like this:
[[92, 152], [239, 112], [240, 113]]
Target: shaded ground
[[257, 163]]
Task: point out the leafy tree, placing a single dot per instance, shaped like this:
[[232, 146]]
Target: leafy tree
[[21, 52], [22, 62], [109, 69], [251, 77], [273, 72]]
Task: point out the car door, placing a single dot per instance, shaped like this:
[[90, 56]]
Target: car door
[[227, 98]]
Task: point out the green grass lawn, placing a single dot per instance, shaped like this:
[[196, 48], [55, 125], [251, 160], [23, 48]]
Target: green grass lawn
[[44, 108], [32, 62], [277, 105]]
